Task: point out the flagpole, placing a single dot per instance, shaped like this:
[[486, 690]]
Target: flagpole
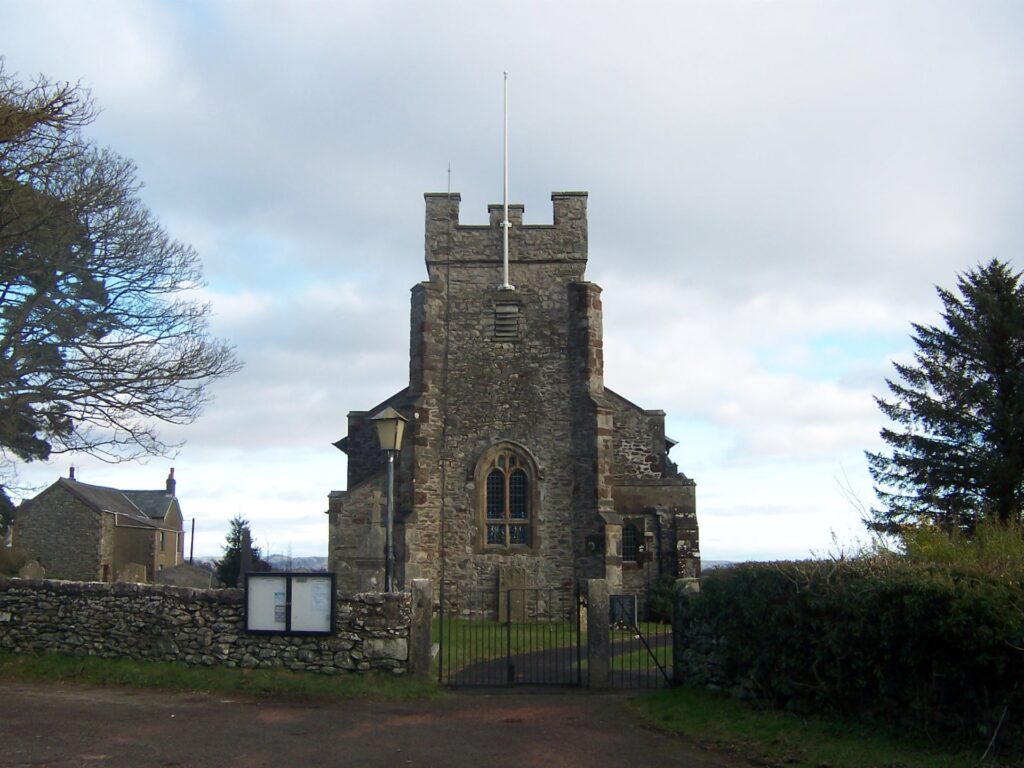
[[504, 224]]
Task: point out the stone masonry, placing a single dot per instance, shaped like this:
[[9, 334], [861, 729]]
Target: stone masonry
[[507, 386], [197, 626], [69, 539], [93, 533]]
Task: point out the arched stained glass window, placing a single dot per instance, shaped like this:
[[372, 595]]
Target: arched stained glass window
[[507, 500], [518, 484], [495, 494]]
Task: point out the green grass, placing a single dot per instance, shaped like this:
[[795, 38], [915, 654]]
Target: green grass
[[779, 738], [636, 656], [467, 641], [179, 677], [641, 659], [648, 628], [482, 639]]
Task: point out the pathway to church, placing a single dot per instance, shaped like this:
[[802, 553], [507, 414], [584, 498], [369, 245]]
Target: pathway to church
[[71, 725]]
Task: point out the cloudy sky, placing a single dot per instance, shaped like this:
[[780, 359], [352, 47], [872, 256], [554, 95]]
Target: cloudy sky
[[775, 190]]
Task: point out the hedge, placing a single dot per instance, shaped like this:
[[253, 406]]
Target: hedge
[[922, 646]]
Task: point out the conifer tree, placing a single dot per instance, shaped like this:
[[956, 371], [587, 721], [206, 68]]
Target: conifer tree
[[956, 440], [229, 567], [6, 514]]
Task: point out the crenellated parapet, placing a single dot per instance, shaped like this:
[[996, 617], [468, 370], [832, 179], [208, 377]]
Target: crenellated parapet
[[449, 241]]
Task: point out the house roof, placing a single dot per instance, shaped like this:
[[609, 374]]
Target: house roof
[[153, 504], [114, 501]]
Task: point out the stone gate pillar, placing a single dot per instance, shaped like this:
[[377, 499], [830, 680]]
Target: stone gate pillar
[[420, 648], [599, 641]]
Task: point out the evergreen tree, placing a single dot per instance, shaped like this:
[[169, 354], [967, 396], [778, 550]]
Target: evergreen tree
[[956, 444], [230, 565], [6, 514]]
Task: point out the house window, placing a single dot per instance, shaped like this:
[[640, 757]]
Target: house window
[[630, 543], [163, 541], [507, 499]]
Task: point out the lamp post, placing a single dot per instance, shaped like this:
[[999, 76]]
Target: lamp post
[[390, 427]]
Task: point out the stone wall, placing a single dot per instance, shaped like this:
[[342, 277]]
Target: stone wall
[[357, 535], [639, 440], [63, 534], [195, 626], [668, 507]]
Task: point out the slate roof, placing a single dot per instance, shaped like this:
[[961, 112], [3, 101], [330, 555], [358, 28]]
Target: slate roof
[[112, 500], [153, 504]]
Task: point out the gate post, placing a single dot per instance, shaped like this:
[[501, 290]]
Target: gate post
[[684, 590], [419, 628], [598, 634]]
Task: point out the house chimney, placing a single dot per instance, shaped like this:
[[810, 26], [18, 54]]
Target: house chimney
[[171, 483], [71, 474]]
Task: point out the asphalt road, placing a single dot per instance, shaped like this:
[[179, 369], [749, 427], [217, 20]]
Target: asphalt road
[[72, 725]]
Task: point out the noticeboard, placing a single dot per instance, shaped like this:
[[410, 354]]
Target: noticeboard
[[289, 603]]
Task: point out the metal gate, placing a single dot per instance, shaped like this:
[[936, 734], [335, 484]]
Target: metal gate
[[522, 636], [641, 651]]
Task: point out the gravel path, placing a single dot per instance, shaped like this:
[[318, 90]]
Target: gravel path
[[72, 725]]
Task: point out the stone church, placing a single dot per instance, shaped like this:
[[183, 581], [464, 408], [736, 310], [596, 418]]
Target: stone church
[[516, 459]]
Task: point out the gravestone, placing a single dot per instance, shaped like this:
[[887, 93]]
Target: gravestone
[[185, 575], [32, 570], [511, 586], [133, 573]]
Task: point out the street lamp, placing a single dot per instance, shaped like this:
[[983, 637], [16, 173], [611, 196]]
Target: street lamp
[[390, 426]]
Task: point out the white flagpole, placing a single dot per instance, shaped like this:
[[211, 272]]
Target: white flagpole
[[504, 224]]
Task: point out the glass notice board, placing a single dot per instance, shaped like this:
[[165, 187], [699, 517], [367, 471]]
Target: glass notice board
[[289, 603]]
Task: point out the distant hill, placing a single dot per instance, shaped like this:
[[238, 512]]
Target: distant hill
[[285, 563], [277, 562]]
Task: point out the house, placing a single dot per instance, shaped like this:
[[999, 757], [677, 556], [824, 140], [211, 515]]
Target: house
[[88, 532], [519, 466]]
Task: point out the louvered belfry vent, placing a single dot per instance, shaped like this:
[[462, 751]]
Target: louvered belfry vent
[[506, 322]]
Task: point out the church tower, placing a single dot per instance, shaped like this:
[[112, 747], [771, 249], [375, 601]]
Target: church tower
[[519, 466]]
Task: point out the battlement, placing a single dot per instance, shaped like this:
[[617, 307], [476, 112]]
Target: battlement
[[449, 241]]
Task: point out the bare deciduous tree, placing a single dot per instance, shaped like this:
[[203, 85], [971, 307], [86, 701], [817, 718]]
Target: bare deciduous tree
[[100, 334]]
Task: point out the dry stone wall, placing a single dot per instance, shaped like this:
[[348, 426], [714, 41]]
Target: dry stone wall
[[197, 626]]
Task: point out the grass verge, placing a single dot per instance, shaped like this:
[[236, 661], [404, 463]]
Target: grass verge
[[783, 739], [57, 667]]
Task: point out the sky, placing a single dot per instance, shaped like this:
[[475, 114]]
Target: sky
[[775, 190]]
